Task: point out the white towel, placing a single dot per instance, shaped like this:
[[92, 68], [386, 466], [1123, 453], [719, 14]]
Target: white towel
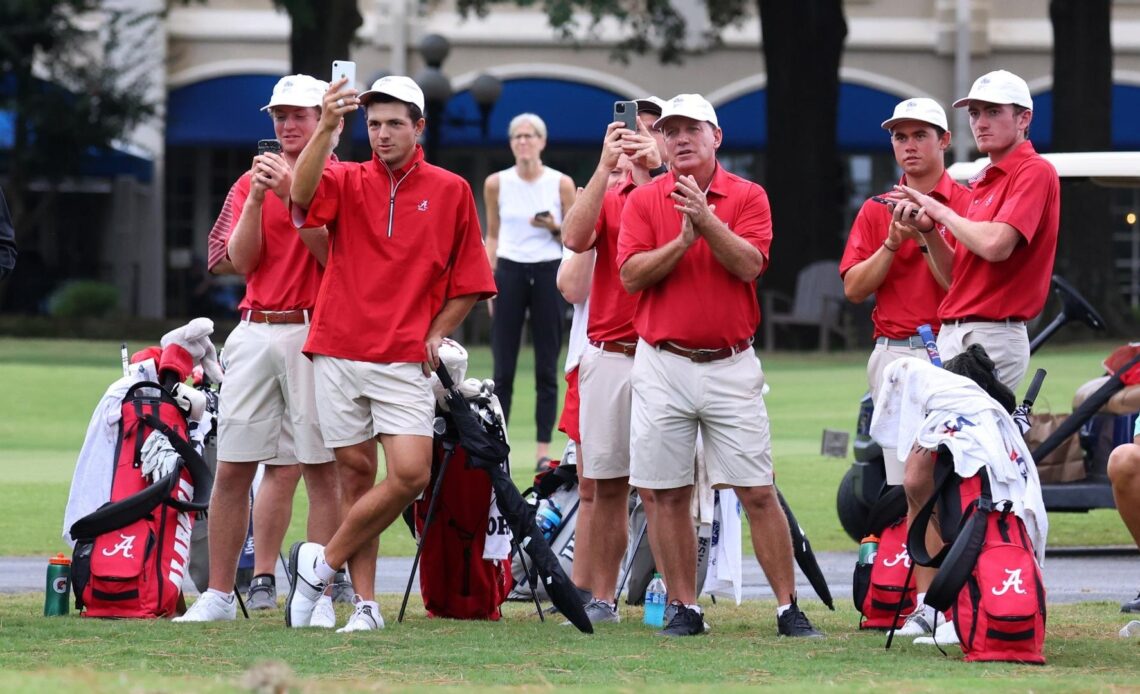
[[922, 404], [725, 575]]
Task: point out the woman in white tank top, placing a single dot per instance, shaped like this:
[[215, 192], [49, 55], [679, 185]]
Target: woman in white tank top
[[525, 204]]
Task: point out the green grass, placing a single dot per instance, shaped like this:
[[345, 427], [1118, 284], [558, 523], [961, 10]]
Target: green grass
[[742, 651], [50, 388]]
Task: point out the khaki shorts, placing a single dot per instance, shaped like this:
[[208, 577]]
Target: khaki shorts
[[267, 405], [603, 417], [673, 397], [880, 358], [1006, 343], [359, 400]]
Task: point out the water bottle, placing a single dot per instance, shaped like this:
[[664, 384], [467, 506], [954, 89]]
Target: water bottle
[[1130, 629], [548, 518], [58, 590], [655, 601], [868, 548]]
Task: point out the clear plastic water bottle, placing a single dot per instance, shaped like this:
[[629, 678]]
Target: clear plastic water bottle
[[655, 601], [548, 518], [868, 549]]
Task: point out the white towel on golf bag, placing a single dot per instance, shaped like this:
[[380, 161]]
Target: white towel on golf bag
[[725, 573], [94, 468], [923, 404]]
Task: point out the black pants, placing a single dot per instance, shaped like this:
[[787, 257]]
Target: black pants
[[523, 288]]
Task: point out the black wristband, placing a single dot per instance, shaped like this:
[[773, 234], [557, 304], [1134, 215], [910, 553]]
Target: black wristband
[[658, 171]]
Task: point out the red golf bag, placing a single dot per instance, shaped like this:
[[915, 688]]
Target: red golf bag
[[132, 553]]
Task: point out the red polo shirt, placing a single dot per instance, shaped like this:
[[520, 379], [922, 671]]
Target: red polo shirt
[[698, 305], [401, 244], [1023, 191], [611, 306], [909, 295], [287, 275]]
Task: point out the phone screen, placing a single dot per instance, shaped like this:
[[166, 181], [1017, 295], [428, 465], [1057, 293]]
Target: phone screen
[[626, 112], [342, 69], [264, 146]]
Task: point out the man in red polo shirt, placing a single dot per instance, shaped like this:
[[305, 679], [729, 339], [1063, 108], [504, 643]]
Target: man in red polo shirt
[[1006, 239], [268, 403], [603, 381], [406, 264], [693, 243], [889, 260]]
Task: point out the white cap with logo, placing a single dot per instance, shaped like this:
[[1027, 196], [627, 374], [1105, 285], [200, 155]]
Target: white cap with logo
[[692, 106], [650, 104], [919, 108], [999, 87], [297, 90], [397, 86]]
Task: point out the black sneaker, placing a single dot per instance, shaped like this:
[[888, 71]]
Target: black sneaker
[[1132, 605], [795, 623], [685, 622]]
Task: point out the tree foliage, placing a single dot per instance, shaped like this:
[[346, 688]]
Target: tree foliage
[[68, 88]]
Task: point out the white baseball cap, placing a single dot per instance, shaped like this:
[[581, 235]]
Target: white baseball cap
[[397, 86], [650, 104], [919, 108], [692, 106], [297, 90], [999, 87]]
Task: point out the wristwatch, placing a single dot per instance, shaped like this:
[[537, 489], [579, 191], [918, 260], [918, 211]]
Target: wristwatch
[[658, 171]]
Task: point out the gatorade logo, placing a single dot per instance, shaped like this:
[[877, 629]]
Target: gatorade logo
[[124, 547], [59, 585], [1013, 580]]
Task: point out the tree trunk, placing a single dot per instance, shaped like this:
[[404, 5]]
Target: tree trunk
[[803, 44], [1082, 121]]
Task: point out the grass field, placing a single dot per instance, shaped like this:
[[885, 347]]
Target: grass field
[[50, 388]]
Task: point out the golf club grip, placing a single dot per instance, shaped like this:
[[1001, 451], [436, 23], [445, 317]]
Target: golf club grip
[[1034, 388], [444, 377]]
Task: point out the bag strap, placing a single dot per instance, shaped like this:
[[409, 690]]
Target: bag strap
[[962, 555], [887, 510], [916, 536], [200, 475]]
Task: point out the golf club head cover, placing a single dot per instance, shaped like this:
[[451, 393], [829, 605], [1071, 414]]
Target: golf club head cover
[[454, 357], [152, 352], [194, 337], [190, 400], [177, 360]]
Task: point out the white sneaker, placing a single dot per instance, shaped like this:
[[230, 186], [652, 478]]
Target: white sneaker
[[304, 586], [366, 617], [210, 607], [944, 635], [324, 615], [918, 623]]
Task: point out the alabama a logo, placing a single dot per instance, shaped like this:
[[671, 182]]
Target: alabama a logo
[[423, 206], [1012, 580], [124, 547], [903, 556]]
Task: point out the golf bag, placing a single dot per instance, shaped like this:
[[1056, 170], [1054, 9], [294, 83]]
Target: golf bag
[[989, 577], [455, 580], [556, 486], [884, 590], [131, 554]]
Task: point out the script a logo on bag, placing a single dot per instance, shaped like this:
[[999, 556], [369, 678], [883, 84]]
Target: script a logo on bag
[[1013, 580], [903, 556], [125, 546]]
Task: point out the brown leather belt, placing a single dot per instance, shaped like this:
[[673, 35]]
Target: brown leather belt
[[983, 319], [626, 348], [297, 315], [702, 356]]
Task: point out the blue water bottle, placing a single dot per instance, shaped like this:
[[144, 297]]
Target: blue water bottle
[[548, 518], [655, 601]]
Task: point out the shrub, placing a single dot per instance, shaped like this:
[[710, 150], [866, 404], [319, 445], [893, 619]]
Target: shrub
[[84, 299]]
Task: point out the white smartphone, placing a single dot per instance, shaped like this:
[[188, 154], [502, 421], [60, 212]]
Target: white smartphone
[[342, 69]]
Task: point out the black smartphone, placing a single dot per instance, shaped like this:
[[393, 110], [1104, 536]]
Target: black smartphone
[[891, 204], [264, 146], [545, 214], [626, 112]]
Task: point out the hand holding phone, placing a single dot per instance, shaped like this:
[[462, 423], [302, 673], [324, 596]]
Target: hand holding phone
[[891, 204], [266, 146], [626, 113], [342, 69]]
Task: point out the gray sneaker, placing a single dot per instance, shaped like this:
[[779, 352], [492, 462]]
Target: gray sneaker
[[262, 593], [601, 612], [341, 588]]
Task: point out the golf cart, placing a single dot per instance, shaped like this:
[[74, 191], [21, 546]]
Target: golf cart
[[865, 481]]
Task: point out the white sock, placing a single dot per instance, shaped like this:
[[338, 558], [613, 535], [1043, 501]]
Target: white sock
[[375, 605], [695, 608], [781, 609], [322, 568], [920, 599], [228, 597]]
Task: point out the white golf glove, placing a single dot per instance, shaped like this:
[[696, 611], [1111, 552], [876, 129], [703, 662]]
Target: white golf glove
[[158, 457], [194, 337], [1021, 418]]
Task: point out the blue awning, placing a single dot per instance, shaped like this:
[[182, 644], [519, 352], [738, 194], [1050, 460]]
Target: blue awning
[[1125, 124], [223, 111], [103, 163]]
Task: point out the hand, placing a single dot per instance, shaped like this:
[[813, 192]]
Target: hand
[[612, 146], [690, 200], [688, 235], [642, 147], [158, 457], [339, 100], [431, 351], [930, 210], [545, 221], [271, 171], [898, 233]]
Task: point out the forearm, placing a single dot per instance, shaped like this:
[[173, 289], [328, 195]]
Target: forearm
[[451, 315], [491, 244], [864, 278], [310, 165], [575, 275], [939, 258], [244, 245], [646, 269], [224, 267], [317, 241], [742, 260], [578, 226], [991, 241]]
